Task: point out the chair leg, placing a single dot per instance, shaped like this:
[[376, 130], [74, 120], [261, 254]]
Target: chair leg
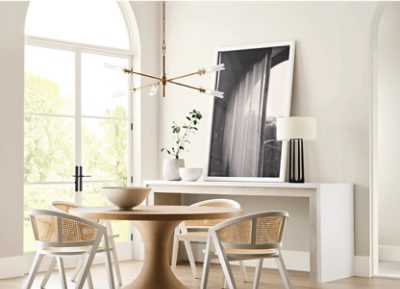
[[48, 273], [60, 264], [191, 259], [175, 247], [114, 256], [34, 270], [109, 268], [243, 270], [206, 264], [88, 262], [257, 274], [115, 262], [78, 268], [90, 281], [283, 272], [223, 259], [223, 285]]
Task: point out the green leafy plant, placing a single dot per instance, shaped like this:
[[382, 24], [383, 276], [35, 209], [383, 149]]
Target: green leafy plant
[[181, 133]]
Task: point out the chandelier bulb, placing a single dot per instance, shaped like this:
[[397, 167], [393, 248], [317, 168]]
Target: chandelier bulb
[[211, 92], [114, 67], [215, 68], [154, 89]]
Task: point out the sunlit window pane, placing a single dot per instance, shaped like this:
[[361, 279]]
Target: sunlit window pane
[[105, 148], [99, 84], [91, 22], [48, 149], [49, 80]]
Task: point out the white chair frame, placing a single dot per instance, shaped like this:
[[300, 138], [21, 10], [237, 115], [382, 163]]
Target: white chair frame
[[271, 250], [60, 249], [183, 234], [54, 206]]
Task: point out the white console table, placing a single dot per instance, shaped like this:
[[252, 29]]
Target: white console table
[[331, 217]]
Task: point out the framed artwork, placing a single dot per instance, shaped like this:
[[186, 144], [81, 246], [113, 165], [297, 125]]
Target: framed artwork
[[257, 86]]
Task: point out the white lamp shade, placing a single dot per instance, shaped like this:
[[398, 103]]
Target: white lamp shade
[[296, 127]]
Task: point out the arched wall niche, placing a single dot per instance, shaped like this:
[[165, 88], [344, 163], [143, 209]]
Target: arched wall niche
[[385, 140]]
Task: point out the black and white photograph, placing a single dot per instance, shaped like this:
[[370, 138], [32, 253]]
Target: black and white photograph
[[257, 86]]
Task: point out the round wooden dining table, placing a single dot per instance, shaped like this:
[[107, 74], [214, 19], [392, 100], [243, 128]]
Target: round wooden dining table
[[156, 225]]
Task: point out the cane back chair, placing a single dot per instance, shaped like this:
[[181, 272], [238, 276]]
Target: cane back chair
[[65, 207], [197, 231], [60, 235], [253, 236]]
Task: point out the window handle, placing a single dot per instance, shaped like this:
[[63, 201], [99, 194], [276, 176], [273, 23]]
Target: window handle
[[81, 176], [76, 176]]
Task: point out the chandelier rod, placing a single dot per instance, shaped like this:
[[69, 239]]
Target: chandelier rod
[[131, 72], [199, 72], [202, 90], [163, 80], [164, 48]]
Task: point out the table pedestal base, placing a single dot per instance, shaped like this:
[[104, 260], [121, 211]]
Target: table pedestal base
[[156, 271]]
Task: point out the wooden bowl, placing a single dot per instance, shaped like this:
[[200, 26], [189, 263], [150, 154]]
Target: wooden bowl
[[126, 198]]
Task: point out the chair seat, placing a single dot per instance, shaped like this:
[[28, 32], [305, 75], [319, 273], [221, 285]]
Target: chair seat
[[234, 251], [65, 251], [193, 236], [242, 254]]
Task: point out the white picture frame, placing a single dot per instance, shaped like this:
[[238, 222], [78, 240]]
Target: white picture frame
[[266, 67]]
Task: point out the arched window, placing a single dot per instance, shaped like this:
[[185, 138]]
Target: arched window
[[73, 124], [99, 23]]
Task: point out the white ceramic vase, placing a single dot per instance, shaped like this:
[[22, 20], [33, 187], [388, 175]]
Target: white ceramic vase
[[170, 170]]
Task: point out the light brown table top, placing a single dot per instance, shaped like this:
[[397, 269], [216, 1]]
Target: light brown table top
[[152, 213]]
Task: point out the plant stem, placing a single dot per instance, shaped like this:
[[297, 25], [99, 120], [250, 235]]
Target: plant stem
[[182, 142]]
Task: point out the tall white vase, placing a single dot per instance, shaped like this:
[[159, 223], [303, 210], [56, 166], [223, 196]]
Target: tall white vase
[[170, 170]]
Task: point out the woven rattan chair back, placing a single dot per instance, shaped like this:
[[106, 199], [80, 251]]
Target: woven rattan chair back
[[221, 203], [57, 229], [62, 206], [255, 231], [65, 207]]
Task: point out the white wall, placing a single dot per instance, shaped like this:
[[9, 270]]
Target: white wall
[[146, 118], [331, 82], [12, 19], [388, 118]]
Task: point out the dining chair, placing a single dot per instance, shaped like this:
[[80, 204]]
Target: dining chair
[[62, 235], [253, 236], [197, 231], [64, 207]]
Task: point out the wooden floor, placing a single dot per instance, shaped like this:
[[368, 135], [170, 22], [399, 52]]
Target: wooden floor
[[269, 280]]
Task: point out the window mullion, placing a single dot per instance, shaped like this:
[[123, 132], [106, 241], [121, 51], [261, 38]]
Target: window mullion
[[78, 115], [131, 126]]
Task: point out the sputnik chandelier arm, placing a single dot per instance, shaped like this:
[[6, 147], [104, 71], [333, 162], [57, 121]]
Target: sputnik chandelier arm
[[164, 80]]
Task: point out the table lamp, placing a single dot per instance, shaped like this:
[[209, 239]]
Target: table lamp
[[296, 129]]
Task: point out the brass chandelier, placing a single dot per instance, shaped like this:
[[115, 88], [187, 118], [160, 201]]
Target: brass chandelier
[[164, 80]]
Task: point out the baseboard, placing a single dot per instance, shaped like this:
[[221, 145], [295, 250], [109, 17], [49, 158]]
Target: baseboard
[[389, 253], [362, 266], [11, 267]]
